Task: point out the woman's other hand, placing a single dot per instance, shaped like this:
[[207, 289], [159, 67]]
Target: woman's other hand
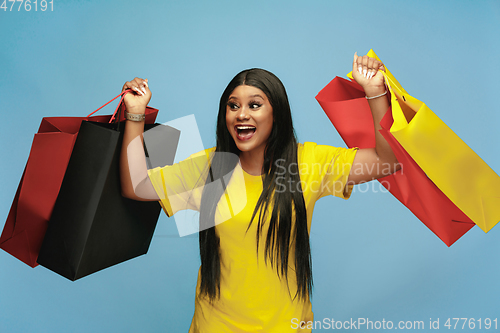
[[366, 72], [138, 99]]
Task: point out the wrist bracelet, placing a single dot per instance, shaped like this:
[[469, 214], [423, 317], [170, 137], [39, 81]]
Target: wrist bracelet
[[377, 95], [134, 116]]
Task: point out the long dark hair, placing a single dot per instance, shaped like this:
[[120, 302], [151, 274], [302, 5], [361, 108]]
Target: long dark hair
[[285, 228]]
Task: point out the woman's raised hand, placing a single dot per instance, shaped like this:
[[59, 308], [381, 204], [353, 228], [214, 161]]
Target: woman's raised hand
[[138, 99], [366, 72]]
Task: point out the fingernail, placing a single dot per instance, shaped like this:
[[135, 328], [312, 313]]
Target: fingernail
[[138, 91], [146, 83], [360, 70], [364, 73], [143, 90]]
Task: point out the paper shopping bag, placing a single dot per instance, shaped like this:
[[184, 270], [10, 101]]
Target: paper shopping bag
[[448, 161], [345, 104], [93, 226], [39, 185], [37, 191]]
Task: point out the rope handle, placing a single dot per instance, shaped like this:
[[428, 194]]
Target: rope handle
[[119, 104]]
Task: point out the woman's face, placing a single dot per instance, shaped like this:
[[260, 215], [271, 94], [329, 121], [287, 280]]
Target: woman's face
[[249, 118]]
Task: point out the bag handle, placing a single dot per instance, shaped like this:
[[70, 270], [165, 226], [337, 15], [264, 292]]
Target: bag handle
[[406, 106], [116, 110], [397, 113]]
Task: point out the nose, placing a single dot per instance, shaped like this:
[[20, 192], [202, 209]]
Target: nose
[[243, 113]]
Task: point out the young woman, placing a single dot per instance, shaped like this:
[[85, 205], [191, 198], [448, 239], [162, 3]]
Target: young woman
[[256, 273]]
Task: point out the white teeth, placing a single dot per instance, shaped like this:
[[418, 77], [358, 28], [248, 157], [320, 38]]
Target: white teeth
[[244, 127]]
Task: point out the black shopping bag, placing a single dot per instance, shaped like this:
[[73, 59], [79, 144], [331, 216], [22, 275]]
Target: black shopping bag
[[93, 226]]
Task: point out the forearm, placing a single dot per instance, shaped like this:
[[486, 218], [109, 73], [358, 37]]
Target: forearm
[[133, 168], [373, 163], [379, 107]]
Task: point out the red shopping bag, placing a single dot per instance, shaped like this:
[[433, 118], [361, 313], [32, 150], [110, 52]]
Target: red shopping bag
[[39, 186], [345, 104]]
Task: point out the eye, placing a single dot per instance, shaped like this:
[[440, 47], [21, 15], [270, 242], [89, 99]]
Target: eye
[[232, 106], [254, 105]]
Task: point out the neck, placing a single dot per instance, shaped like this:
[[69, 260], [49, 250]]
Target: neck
[[252, 162]]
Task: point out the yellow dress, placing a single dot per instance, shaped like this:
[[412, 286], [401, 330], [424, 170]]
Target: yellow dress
[[253, 298]]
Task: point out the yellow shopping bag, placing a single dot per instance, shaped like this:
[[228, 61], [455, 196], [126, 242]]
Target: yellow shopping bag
[[452, 165]]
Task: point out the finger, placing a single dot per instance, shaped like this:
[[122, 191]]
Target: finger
[[136, 89], [377, 66], [365, 65], [371, 73], [135, 86], [370, 65], [355, 63], [145, 86], [141, 84], [357, 66], [128, 85]]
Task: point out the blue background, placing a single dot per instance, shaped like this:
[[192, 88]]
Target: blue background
[[372, 257]]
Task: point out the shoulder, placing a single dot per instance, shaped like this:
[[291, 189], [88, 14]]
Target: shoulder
[[206, 151], [311, 152], [201, 153], [326, 165], [193, 164], [313, 146]]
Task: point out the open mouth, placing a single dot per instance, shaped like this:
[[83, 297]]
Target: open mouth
[[245, 132]]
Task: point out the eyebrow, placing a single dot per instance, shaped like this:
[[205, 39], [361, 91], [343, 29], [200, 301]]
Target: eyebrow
[[251, 96]]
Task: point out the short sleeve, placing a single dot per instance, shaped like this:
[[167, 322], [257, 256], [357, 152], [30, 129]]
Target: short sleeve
[[324, 170], [180, 186]]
